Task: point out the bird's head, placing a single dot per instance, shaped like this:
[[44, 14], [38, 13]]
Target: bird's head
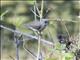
[[45, 21]]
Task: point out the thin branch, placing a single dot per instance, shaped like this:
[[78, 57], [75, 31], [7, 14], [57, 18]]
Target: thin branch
[[46, 13], [35, 10], [31, 53], [41, 12], [27, 50], [50, 36], [39, 37], [4, 13], [65, 28], [64, 20], [39, 44], [17, 47], [11, 57], [34, 13], [30, 36]]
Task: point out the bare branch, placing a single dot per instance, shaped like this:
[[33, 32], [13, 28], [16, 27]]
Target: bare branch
[[27, 50], [41, 12], [34, 13], [30, 36], [64, 20], [35, 9], [17, 47], [39, 37], [4, 13], [11, 57]]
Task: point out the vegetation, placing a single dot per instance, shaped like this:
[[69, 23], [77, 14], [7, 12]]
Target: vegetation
[[60, 40]]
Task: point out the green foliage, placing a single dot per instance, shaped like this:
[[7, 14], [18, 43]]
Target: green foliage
[[68, 56]]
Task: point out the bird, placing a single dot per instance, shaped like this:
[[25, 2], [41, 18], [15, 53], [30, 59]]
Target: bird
[[37, 25], [61, 38]]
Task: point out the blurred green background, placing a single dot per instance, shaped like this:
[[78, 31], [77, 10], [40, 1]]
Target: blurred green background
[[20, 13]]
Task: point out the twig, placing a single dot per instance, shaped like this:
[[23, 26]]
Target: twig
[[17, 47], [11, 57], [39, 37], [30, 36], [41, 12], [65, 20], [65, 28], [35, 9], [4, 13], [31, 53], [39, 44], [34, 13], [27, 50], [50, 36]]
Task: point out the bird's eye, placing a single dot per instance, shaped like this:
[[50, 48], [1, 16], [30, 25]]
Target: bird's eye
[[46, 21]]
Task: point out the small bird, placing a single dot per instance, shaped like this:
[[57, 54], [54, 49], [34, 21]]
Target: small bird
[[61, 38], [37, 25]]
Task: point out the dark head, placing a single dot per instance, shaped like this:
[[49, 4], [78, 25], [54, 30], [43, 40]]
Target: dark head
[[46, 21]]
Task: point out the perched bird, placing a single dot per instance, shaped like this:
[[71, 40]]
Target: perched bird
[[61, 38], [37, 25]]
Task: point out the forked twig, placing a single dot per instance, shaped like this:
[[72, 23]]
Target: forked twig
[[34, 13]]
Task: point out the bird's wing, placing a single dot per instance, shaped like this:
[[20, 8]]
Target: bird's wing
[[34, 25]]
